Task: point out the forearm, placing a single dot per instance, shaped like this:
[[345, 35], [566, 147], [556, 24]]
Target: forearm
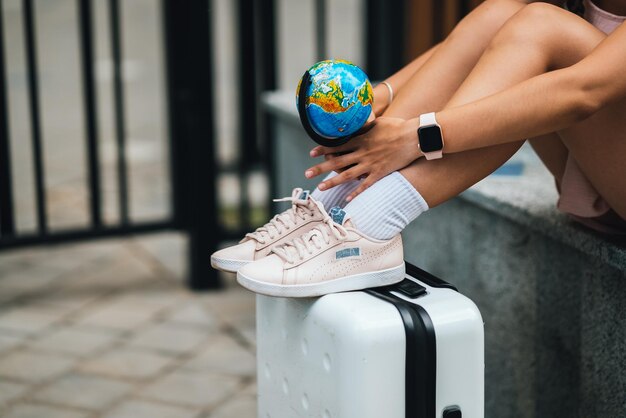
[[398, 80], [542, 104]]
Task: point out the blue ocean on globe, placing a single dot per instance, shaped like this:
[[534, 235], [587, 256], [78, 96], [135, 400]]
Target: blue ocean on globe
[[339, 99]]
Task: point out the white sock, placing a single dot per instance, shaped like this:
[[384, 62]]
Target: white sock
[[337, 195], [387, 207]]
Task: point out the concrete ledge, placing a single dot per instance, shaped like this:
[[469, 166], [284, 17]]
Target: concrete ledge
[[552, 293]]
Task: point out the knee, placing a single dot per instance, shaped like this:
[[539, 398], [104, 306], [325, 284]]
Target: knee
[[486, 19], [533, 24], [561, 37]]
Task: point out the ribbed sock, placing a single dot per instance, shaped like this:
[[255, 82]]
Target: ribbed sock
[[387, 207], [337, 195]]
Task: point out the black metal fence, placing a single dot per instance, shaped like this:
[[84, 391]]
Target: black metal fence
[[194, 168]]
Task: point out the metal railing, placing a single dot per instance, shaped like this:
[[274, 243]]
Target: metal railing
[[190, 96]]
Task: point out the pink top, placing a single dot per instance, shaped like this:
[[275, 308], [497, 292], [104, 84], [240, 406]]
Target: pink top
[[601, 19]]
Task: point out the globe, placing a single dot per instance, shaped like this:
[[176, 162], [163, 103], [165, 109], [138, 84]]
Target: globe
[[338, 100]]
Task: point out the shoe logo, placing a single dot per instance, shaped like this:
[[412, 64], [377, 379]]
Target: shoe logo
[[348, 252], [337, 214], [304, 195]]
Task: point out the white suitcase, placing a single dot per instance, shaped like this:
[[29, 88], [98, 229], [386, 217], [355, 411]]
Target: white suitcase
[[411, 350]]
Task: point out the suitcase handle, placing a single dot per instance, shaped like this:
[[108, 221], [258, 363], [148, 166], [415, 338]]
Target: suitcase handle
[[428, 278]]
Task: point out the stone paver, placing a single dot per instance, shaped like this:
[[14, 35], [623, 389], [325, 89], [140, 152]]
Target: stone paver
[[116, 317], [238, 407], [43, 411], [127, 363], [26, 321], [32, 366], [64, 301], [236, 306], [168, 338], [117, 335], [225, 356], [10, 391], [139, 409], [8, 341], [73, 340], [84, 391], [28, 277], [169, 249], [151, 297], [193, 314], [120, 269], [192, 389]]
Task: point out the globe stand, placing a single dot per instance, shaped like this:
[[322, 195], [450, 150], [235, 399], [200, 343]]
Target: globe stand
[[322, 140]]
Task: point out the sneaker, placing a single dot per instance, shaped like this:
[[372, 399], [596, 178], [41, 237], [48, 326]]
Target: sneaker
[[304, 214], [332, 257]]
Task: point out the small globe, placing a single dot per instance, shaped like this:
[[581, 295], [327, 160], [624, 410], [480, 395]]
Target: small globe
[[338, 99]]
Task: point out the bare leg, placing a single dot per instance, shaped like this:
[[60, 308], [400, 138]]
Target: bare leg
[[553, 153], [438, 181], [431, 87], [437, 79], [516, 54]]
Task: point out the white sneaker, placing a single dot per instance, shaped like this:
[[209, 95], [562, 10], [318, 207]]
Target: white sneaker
[[304, 214], [332, 257]]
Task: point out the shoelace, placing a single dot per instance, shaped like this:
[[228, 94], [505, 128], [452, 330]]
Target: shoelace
[[315, 239], [283, 221]]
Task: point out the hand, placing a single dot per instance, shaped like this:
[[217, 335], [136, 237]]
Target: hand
[[366, 127], [389, 144]]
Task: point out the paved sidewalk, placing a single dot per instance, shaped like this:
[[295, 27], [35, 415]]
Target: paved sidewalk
[[108, 329]]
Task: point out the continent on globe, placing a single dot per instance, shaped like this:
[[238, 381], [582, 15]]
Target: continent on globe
[[338, 99]]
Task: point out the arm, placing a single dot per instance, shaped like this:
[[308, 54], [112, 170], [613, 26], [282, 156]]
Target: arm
[[526, 110]]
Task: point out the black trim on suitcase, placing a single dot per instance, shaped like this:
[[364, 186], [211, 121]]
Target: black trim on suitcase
[[428, 278], [421, 355], [421, 344]]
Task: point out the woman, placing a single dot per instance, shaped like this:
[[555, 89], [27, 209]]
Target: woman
[[508, 72]]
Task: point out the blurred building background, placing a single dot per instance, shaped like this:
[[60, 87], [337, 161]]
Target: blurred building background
[[119, 118], [108, 106]]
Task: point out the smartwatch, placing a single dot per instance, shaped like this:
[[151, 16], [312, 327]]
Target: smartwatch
[[430, 137]]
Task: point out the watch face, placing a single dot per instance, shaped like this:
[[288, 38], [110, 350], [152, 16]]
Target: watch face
[[430, 138]]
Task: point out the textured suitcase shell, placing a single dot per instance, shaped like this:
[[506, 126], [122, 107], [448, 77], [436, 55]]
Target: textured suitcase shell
[[344, 355]]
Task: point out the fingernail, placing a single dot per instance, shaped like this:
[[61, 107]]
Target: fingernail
[[308, 174], [322, 186], [349, 198], [313, 153]]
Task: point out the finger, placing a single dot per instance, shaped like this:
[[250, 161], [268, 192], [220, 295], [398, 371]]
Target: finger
[[328, 157], [332, 164], [346, 175], [365, 184], [317, 151], [347, 147]]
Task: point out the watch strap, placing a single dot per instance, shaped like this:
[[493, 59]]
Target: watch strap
[[434, 155], [427, 119]]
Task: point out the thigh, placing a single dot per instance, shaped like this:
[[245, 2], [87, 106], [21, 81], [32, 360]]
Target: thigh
[[598, 145], [552, 152]]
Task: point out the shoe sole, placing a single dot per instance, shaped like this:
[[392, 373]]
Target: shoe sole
[[341, 284], [230, 266]]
